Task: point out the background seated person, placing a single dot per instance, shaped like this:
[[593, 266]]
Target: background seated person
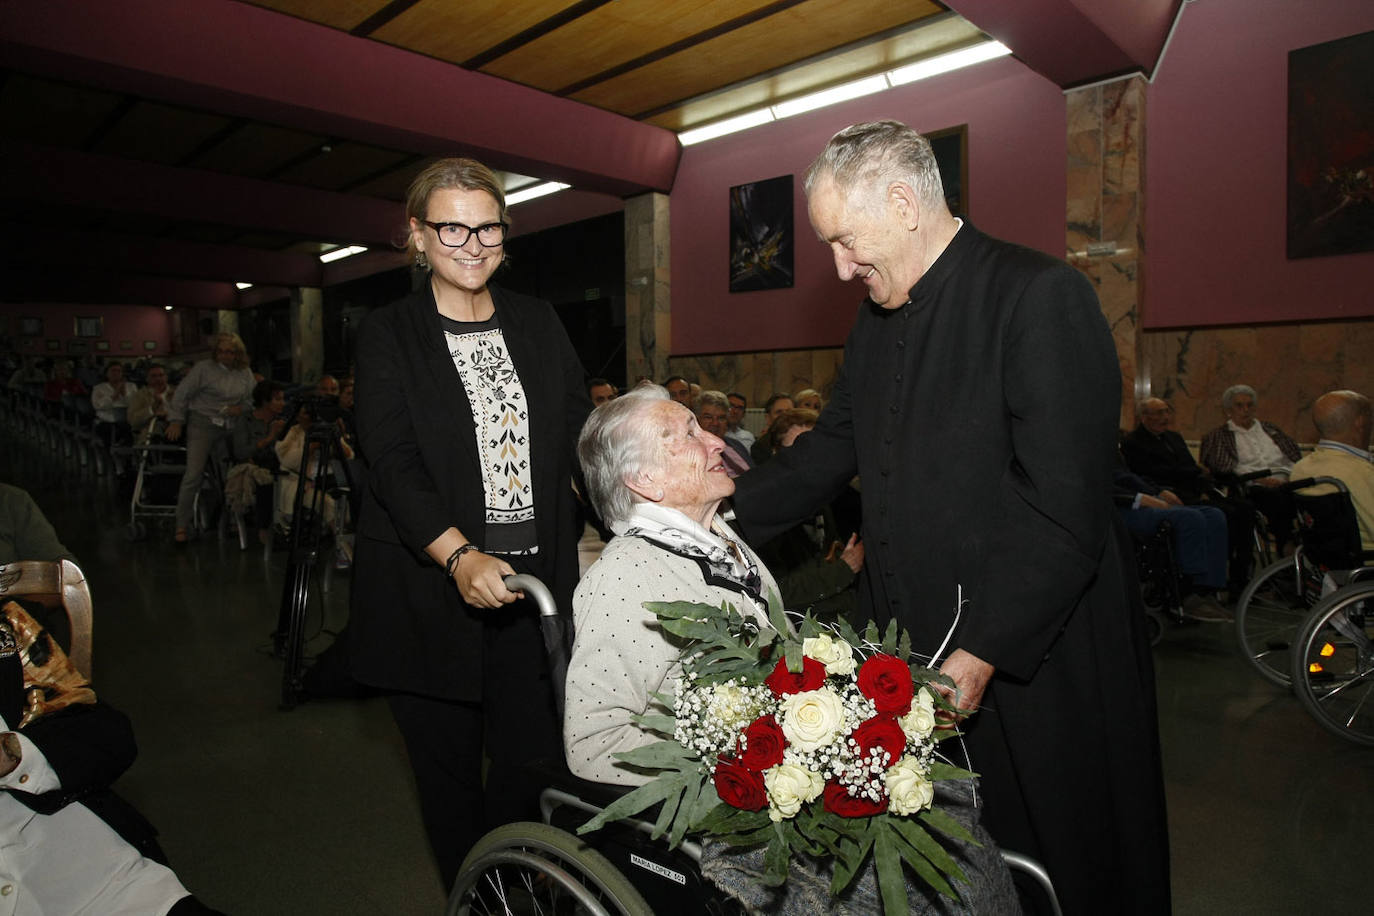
[[1343, 420], [148, 405], [1244, 445], [62, 388], [762, 450], [816, 562], [600, 390], [25, 532], [1199, 531], [656, 478], [808, 398], [68, 844], [110, 401], [254, 443], [713, 415], [293, 460], [1155, 452], [737, 430]]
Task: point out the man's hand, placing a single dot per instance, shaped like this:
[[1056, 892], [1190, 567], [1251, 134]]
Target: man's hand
[[853, 553], [970, 675], [479, 578], [1170, 497], [1150, 502], [173, 432]]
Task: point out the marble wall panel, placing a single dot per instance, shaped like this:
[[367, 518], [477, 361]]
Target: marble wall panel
[[648, 287], [307, 335]]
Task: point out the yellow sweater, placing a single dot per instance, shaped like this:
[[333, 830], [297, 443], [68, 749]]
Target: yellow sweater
[[1357, 474]]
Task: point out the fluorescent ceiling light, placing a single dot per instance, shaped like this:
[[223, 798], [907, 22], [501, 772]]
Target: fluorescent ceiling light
[[166, 308], [244, 285], [947, 62], [847, 91], [832, 96], [539, 190], [339, 253], [728, 126]]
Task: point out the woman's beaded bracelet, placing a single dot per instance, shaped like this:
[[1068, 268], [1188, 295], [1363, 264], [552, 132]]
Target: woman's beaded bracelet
[[452, 563]]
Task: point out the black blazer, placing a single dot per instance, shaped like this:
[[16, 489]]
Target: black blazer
[[1164, 459], [411, 630]]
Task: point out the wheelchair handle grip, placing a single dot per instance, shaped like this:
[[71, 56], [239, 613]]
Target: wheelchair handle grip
[[534, 588]]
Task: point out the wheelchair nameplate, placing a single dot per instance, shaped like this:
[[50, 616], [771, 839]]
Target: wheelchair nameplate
[[658, 869]]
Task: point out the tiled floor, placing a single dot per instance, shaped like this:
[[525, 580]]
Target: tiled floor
[[312, 811]]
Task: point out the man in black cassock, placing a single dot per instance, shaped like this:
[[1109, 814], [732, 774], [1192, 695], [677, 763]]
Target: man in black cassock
[[978, 402]]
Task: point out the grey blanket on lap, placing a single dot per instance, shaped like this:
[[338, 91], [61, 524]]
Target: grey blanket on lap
[[988, 892]]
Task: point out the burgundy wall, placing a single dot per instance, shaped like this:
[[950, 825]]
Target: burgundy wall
[[1216, 171], [135, 323], [1016, 190]]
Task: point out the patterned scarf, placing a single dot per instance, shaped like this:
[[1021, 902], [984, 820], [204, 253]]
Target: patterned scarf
[[723, 558]]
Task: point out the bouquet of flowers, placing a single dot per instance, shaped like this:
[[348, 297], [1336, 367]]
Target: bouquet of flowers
[[813, 740]]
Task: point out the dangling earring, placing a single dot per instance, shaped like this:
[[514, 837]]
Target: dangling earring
[[421, 262]]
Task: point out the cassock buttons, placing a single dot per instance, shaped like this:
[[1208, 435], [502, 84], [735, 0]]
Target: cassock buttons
[[892, 408], [897, 377], [901, 344]]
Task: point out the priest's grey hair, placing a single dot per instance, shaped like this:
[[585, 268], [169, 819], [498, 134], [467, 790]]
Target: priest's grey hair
[[869, 157], [617, 443], [1228, 397]]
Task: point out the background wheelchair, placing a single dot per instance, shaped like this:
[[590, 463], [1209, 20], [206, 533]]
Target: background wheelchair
[[1303, 621], [538, 868], [1273, 606]]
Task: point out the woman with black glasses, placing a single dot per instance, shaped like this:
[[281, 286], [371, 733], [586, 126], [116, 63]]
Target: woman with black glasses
[[470, 400]]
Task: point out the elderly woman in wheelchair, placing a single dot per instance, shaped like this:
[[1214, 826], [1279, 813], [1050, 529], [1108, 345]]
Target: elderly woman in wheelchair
[[657, 479]]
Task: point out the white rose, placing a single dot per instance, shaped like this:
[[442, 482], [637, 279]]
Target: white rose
[[728, 705], [835, 654], [812, 719], [908, 790], [920, 721], [789, 787]]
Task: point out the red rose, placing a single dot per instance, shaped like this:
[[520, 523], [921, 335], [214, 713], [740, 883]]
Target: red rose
[[739, 787], [782, 682], [886, 680], [837, 800], [763, 744], [878, 734]]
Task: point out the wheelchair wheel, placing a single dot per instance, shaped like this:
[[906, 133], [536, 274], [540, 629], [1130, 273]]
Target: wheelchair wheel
[[1268, 615], [1333, 663], [529, 868]]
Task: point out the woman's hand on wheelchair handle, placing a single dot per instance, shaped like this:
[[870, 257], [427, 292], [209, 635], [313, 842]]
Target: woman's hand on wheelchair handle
[[479, 578]]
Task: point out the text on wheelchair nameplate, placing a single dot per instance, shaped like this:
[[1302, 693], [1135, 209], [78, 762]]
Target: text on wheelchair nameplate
[[658, 869]]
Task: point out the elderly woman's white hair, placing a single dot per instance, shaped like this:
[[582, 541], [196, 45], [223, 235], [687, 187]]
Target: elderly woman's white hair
[[617, 443], [1228, 397]]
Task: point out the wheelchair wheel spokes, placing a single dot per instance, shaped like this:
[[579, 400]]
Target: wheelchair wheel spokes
[[534, 869], [1269, 614], [523, 883], [1334, 668]]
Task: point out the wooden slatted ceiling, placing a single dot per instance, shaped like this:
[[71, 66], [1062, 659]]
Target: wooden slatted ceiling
[[634, 57], [948, 34], [784, 38], [338, 14], [457, 32]]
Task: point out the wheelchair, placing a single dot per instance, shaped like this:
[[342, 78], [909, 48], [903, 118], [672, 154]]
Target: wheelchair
[[537, 868], [1162, 585], [1274, 605]]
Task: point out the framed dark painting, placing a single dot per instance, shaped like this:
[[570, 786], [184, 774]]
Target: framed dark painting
[[951, 155], [90, 327], [30, 326], [1331, 148], [761, 235]]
